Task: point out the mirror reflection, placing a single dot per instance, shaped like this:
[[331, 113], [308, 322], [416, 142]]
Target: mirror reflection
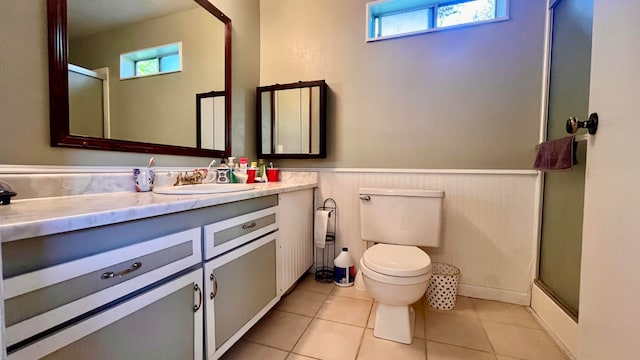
[[210, 120], [148, 105], [137, 70], [292, 120]]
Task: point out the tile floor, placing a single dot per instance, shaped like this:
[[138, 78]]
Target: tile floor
[[323, 321]]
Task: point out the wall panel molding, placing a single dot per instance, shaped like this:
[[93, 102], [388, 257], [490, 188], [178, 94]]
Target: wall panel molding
[[488, 230]]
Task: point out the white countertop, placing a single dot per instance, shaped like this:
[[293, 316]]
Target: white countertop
[[44, 216]]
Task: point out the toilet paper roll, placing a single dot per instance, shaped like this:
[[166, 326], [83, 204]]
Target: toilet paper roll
[[320, 224]]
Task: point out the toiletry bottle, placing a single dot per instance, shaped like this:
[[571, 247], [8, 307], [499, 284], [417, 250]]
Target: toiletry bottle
[[243, 165], [344, 269], [261, 170], [223, 173], [236, 170], [232, 167]]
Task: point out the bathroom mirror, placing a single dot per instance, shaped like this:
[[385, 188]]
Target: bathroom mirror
[[92, 46], [291, 120]]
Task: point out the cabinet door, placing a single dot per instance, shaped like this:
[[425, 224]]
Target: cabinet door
[[162, 323], [240, 288], [295, 223]]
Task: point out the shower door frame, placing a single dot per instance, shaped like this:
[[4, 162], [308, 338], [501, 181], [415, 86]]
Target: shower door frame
[[540, 182]]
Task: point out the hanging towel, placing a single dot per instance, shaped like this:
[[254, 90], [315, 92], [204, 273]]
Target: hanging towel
[[320, 223], [555, 154]]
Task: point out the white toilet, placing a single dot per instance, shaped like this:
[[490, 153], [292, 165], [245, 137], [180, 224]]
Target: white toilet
[[395, 271]]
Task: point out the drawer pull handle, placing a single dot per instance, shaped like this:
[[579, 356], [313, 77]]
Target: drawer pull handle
[[249, 226], [214, 281], [197, 288], [110, 274]]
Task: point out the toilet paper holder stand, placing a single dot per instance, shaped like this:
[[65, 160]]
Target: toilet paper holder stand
[[324, 256]]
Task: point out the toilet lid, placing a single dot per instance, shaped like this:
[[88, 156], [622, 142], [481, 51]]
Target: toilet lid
[[397, 260]]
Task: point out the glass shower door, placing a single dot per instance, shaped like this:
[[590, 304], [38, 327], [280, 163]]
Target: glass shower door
[[563, 195]]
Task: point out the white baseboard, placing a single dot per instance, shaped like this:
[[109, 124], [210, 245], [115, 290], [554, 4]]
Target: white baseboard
[[560, 326], [508, 296]]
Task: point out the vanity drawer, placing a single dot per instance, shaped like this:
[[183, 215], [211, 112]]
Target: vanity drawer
[[39, 300], [164, 322], [226, 235]]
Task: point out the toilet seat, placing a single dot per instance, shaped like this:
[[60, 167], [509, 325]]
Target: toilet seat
[[394, 280], [397, 260]]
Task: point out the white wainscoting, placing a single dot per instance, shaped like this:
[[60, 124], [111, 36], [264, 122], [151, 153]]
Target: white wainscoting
[[489, 224]]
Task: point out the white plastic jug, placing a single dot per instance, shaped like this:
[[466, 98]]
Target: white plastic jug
[[344, 269]]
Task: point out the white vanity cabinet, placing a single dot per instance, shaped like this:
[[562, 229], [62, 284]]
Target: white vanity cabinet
[[295, 225], [251, 260], [64, 303], [240, 271], [185, 284]]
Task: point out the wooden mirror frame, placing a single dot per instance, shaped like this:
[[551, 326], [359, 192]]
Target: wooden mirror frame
[[322, 153], [59, 92]]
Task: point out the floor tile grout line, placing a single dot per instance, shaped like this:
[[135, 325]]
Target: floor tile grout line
[[527, 309], [484, 330], [261, 344], [300, 337], [291, 312], [510, 324], [364, 328], [366, 322], [463, 347], [424, 325], [364, 331], [310, 357]]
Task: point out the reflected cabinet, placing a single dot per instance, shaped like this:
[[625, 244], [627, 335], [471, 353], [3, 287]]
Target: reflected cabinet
[[291, 120]]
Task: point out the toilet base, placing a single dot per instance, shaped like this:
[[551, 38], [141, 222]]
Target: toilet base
[[395, 323]]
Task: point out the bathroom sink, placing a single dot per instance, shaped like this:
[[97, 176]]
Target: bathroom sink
[[202, 189]]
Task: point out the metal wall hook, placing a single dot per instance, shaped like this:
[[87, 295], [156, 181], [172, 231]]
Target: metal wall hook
[[573, 124]]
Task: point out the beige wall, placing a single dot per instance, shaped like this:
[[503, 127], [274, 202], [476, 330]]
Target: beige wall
[[461, 98], [24, 89], [393, 103]]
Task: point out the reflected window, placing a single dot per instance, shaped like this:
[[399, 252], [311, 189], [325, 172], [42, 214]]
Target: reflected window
[[151, 61], [395, 18]]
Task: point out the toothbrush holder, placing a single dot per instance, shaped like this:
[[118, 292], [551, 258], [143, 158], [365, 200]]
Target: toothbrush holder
[[273, 174], [144, 179]]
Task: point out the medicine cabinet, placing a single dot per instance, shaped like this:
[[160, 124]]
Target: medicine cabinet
[[291, 120]]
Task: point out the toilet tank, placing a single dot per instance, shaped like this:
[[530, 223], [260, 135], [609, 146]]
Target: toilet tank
[[401, 216]]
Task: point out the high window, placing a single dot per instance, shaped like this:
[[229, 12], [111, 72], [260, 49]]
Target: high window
[[394, 18], [151, 61]]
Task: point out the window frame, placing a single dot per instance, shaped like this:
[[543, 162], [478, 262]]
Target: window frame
[[501, 14], [130, 60]]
